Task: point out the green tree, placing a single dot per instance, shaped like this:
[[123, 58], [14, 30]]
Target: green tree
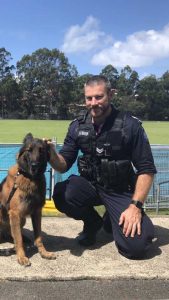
[[9, 90], [128, 82], [46, 79], [79, 87], [112, 75], [149, 94], [10, 95], [77, 105], [5, 68], [127, 86], [164, 96]]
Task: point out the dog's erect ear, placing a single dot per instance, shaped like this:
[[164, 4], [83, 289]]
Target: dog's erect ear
[[28, 138]]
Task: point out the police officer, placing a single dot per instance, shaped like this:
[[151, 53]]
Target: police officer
[[116, 170]]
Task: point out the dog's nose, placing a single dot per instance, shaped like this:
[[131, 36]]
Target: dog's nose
[[34, 165]]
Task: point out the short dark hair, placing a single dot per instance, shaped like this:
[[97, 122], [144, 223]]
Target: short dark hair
[[97, 79]]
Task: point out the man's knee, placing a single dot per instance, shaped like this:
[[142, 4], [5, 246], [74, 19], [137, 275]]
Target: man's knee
[[65, 200], [134, 248], [65, 193], [59, 196]]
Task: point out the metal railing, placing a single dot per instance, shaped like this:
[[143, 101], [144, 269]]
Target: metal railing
[[161, 201], [158, 197]]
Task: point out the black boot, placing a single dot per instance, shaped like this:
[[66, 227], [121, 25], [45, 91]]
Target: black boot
[[88, 236]]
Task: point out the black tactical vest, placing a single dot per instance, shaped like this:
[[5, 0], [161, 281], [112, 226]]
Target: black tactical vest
[[110, 143], [105, 159]]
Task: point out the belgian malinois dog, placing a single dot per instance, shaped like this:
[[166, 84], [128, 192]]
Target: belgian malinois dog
[[23, 193]]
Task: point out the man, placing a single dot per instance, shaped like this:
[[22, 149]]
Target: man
[[116, 170]]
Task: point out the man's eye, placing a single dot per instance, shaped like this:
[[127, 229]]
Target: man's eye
[[89, 98], [98, 97]]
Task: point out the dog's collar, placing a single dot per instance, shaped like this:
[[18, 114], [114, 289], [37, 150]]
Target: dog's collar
[[21, 171], [27, 175]]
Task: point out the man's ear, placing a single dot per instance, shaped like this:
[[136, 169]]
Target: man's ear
[[110, 94], [113, 92]]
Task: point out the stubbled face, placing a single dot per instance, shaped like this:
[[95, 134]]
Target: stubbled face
[[32, 157], [97, 100]]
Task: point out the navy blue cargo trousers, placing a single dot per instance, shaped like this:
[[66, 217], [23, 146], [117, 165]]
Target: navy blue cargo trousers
[[76, 197]]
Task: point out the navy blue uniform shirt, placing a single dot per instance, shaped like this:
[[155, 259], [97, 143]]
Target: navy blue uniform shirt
[[135, 140]]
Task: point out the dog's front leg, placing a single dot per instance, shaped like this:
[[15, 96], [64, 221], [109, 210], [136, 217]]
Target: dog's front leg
[[36, 222], [15, 224]]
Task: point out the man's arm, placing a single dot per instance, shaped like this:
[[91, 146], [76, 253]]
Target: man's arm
[[142, 159], [131, 217], [143, 185], [57, 161], [63, 160]]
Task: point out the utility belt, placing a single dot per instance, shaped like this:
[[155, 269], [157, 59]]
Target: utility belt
[[115, 175]]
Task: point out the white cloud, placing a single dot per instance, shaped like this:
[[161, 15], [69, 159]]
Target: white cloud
[[85, 38], [140, 49]]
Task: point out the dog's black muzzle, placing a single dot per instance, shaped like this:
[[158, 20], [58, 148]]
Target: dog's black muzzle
[[34, 169]]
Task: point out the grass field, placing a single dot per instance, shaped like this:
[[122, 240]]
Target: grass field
[[158, 132], [13, 131]]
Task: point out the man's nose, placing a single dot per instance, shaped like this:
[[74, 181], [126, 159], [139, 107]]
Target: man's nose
[[94, 101]]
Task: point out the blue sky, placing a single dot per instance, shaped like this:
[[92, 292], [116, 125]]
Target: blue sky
[[92, 34]]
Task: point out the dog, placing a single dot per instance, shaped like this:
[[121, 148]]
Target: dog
[[23, 193]]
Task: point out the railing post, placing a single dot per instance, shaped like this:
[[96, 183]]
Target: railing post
[[157, 199], [54, 141]]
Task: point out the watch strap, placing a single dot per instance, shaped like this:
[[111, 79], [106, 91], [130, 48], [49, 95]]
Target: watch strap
[[137, 203]]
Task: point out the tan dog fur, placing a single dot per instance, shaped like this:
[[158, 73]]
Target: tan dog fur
[[28, 198]]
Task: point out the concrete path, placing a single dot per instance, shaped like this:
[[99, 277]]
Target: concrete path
[[73, 262]]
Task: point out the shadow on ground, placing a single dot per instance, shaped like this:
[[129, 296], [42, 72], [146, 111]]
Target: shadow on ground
[[60, 243]]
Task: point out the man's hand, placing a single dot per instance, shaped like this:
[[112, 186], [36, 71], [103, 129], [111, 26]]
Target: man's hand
[[56, 160], [131, 221], [51, 148]]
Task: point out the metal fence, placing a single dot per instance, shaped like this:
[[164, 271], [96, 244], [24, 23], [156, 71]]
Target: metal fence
[[158, 197]]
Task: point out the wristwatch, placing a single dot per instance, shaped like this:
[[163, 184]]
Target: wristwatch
[[137, 203]]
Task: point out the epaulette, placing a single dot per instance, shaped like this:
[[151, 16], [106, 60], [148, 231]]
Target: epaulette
[[129, 114], [73, 121], [81, 118], [139, 121]]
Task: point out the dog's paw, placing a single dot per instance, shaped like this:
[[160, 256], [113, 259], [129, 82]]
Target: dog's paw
[[48, 255], [24, 261]]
